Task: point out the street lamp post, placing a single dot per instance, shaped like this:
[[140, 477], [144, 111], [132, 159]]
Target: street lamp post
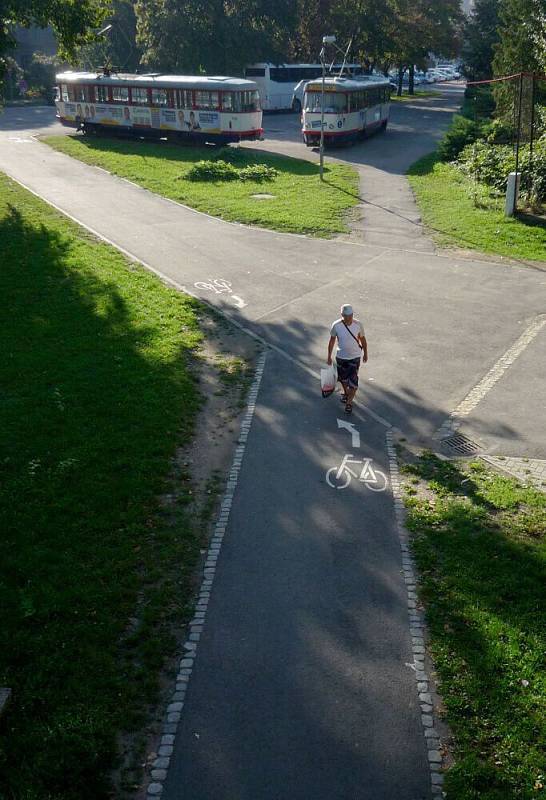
[[325, 40]]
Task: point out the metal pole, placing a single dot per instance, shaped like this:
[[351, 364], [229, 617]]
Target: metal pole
[[321, 170], [533, 99], [518, 138]]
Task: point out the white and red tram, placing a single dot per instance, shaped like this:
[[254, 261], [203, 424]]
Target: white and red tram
[[352, 108], [197, 108]]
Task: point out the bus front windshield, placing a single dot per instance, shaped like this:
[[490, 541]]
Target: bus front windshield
[[334, 102]]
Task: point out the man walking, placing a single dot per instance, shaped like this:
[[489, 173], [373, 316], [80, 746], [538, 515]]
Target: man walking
[[351, 342]]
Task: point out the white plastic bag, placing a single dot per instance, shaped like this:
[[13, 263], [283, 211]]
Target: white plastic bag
[[328, 380]]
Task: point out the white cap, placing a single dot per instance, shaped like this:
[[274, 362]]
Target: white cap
[[346, 310]]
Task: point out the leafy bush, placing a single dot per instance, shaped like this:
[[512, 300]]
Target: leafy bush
[[258, 173], [212, 171], [221, 170], [462, 132], [490, 164], [487, 163]]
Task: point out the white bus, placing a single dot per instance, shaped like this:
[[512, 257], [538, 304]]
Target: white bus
[[177, 107], [353, 108], [276, 82]]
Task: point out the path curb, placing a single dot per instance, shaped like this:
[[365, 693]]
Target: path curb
[[417, 629], [160, 765]]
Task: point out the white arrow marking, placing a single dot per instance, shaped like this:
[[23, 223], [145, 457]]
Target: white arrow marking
[[349, 426], [239, 302]]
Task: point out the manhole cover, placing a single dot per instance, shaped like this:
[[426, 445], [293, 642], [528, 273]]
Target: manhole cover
[[263, 196], [460, 444]]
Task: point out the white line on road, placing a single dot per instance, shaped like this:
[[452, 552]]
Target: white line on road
[[476, 395]]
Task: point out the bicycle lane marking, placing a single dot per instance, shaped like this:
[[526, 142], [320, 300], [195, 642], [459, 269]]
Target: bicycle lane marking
[[306, 638], [362, 469], [221, 286]]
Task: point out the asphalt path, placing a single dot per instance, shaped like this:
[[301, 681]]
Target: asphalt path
[[302, 687]]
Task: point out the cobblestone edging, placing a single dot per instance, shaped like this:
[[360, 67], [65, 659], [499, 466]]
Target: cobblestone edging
[[530, 471], [174, 710], [417, 629]]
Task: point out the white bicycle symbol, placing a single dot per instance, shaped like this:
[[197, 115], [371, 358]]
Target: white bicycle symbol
[[216, 285], [340, 477]]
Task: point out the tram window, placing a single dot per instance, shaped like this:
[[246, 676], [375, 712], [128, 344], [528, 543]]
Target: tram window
[[227, 101], [101, 93], [206, 100], [120, 94], [255, 72], [64, 93], [76, 94], [139, 96], [246, 101], [184, 98], [334, 102], [159, 97]]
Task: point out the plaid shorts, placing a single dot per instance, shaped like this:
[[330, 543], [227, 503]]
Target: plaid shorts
[[347, 371]]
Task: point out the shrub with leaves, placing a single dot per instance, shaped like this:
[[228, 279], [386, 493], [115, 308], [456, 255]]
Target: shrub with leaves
[[258, 173], [212, 171], [490, 164], [487, 163], [462, 132]]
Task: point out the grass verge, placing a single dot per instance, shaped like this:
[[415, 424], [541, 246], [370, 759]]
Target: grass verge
[[479, 541], [300, 203], [96, 393], [462, 213]]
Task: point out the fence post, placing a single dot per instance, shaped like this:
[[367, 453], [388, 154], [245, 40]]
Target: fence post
[[515, 207]]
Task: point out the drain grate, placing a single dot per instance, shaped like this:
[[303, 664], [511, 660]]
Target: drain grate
[[460, 444]]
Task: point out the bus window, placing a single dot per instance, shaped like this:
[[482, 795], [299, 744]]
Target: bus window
[[255, 72], [120, 94], [101, 93], [206, 100], [159, 97], [139, 96]]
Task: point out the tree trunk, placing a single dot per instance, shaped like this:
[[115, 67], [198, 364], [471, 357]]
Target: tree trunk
[[400, 76], [411, 84]]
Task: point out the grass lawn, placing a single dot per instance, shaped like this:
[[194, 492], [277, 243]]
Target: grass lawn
[[480, 544], [95, 393], [447, 201], [301, 204]]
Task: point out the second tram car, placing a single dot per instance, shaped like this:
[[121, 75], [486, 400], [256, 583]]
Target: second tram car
[[198, 108], [352, 108]]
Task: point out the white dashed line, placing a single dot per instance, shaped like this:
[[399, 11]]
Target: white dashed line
[[476, 395]]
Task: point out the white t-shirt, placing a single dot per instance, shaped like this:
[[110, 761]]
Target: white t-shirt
[[346, 346]]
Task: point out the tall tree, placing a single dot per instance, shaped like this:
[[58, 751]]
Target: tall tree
[[73, 22], [216, 36], [521, 45], [118, 47], [481, 35]]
